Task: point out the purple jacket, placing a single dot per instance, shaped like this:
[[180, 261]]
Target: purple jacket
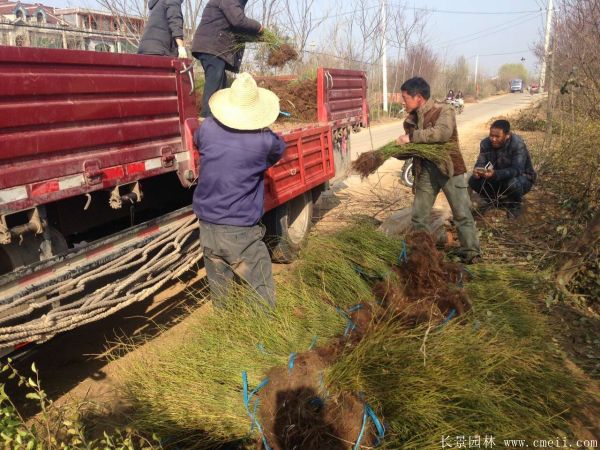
[[231, 185]]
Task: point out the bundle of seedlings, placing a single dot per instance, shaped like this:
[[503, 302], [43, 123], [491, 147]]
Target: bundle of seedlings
[[190, 391], [297, 97], [490, 374], [368, 162], [424, 287], [279, 51]]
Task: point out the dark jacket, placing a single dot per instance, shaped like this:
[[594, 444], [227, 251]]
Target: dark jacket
[[231, 187], [164, 25], [216, 34], [512, 160]]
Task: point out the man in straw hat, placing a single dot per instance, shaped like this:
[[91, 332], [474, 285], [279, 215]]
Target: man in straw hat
[[236, 148]]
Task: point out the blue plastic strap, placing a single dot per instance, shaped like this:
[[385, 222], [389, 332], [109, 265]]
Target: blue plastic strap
[[351, 325], [370, 414], [313, 343], [291, 361], [360, 271], [403, 256], [247, 398], [285, 114], [449, 317], [378, 425]]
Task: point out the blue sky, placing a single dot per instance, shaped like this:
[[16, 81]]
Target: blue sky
[[459, 27], [488, 34]]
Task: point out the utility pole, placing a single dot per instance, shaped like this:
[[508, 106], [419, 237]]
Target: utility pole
[[384, 56], [546, 45], [476, 69]]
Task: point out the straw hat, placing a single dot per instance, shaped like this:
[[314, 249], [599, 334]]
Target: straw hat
[[244, 106]]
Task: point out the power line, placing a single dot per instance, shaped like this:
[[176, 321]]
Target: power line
[[435, 11], [476, 35], [501, 54], [458, 41], [448, 11]]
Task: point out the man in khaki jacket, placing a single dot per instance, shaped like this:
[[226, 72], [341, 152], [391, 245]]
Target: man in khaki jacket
[[430, 123]]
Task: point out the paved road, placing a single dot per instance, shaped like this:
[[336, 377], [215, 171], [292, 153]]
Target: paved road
[[474, 114]]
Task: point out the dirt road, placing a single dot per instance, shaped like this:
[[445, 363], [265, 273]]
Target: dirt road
[[74, 364]]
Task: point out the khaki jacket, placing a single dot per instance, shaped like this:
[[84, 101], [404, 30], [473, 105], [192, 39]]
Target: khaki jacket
[[432, 124]]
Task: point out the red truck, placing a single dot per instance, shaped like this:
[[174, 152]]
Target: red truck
[[97, 168]]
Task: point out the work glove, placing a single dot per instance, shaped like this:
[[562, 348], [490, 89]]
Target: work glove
[[181, 52]]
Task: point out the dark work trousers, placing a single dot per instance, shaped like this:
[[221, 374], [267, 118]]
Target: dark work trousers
[[214, 78], [507, 193], [236, 254]]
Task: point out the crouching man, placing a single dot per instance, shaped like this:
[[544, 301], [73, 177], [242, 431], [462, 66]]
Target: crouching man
[[503, 173], [236, 148]]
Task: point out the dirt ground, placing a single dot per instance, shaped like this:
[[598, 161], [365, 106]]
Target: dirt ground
[[75, 367]]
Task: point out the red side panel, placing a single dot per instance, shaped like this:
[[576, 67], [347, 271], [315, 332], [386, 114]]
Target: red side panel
[[342, 97], [307, 163], [64, 111]]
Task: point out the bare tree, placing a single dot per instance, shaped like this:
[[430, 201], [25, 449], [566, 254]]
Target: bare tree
[[127, 13], [300, 21], [265, 11]]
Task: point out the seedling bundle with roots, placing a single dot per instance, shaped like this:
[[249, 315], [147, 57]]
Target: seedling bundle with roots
[[368, 162], [363, 319], [279, 51]]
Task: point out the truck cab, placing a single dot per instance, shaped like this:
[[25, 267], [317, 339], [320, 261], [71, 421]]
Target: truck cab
[[516, 86]]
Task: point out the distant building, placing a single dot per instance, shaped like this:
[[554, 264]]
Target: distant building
[[37, 25]]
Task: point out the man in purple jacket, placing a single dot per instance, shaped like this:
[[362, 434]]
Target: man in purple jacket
[[236, 148]]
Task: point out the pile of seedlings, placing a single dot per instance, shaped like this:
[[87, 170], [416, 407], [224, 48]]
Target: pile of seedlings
[[368, 162], [297, 97], [374, 340]]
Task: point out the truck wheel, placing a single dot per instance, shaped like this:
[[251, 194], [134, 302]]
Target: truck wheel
[[287, 227], [406, 176], [16, 255]]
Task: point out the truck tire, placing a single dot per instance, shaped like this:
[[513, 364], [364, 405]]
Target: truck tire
[[17, 254], [288, 226], [406, 176]]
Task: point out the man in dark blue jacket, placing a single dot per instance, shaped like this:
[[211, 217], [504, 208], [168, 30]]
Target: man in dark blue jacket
[[217, 43], [163, 33], [503, 173], [235, 150]]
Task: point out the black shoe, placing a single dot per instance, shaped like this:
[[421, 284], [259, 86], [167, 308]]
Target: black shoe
[[514, 212], [477, 259]]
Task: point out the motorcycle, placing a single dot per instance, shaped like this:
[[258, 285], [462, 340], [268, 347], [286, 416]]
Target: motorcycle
[[407, 177], [457, 103]]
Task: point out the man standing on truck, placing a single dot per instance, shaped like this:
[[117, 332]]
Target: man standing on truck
[[236, 148], [503, 173], [163, 33], [218, 43], [430, 123]]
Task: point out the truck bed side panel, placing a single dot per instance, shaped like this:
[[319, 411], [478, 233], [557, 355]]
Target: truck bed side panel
[[65, 113]]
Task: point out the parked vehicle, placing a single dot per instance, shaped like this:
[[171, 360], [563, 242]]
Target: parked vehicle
[[457, 103], [534, 89], [516, 86], [97, 166]]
